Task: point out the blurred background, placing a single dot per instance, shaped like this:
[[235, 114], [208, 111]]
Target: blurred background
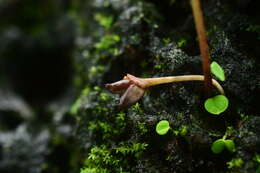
[[36, 71]]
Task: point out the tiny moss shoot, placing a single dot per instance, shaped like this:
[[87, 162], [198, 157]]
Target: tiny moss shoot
[[235, 163]]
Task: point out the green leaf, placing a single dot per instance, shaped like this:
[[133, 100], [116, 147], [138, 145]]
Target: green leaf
[[218, 146], [230, 145], [162, 127], [216, 105], [217, 70]]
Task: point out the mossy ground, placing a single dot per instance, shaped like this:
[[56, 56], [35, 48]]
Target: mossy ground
[[56, 115], [147, 39]]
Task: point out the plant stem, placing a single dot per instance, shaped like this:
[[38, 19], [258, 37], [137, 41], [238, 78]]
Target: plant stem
[[204, 49], [171, 79]]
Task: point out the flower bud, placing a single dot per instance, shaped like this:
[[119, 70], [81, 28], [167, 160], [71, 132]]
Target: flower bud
[[131, 96], [118, 87]]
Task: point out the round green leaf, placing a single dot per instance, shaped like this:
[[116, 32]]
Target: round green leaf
[[162, 127], [216, 105], [218, 146], [217, 70], [230, 145]]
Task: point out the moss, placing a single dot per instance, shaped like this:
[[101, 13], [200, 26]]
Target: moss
[[235, 163], [105, 159], [104, 20]]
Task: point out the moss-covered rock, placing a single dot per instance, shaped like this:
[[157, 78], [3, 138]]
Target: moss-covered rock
[[136, 37]]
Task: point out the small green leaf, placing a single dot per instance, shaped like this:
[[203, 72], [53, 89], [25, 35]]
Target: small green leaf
[[162, 127], [230, 145], [216, 105], [217, 70], [218, 146]]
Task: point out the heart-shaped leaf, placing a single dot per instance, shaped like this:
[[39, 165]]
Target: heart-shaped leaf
[[218, 146], [216, 105], [217, 70], [230, 145], [162, 127]]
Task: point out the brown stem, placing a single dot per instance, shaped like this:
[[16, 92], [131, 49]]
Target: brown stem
[[204, 49], [171, 79]]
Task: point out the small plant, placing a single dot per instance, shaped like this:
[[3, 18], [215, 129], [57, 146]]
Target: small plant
[[220, 144], [217, 104], [132, 88], [162, 127]]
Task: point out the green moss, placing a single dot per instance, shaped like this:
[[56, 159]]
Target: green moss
[[135, 149], [107, 41], [137, 109], [104, 20], [166, 40], [121, 119], [106, 159], [181, 43], [142, 127], [95, 70], [74, 108], [235, 163], [181, 131]]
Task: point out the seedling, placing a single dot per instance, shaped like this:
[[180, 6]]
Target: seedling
[[132, 88], [220, 144], [162, 127], [218, 104]]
